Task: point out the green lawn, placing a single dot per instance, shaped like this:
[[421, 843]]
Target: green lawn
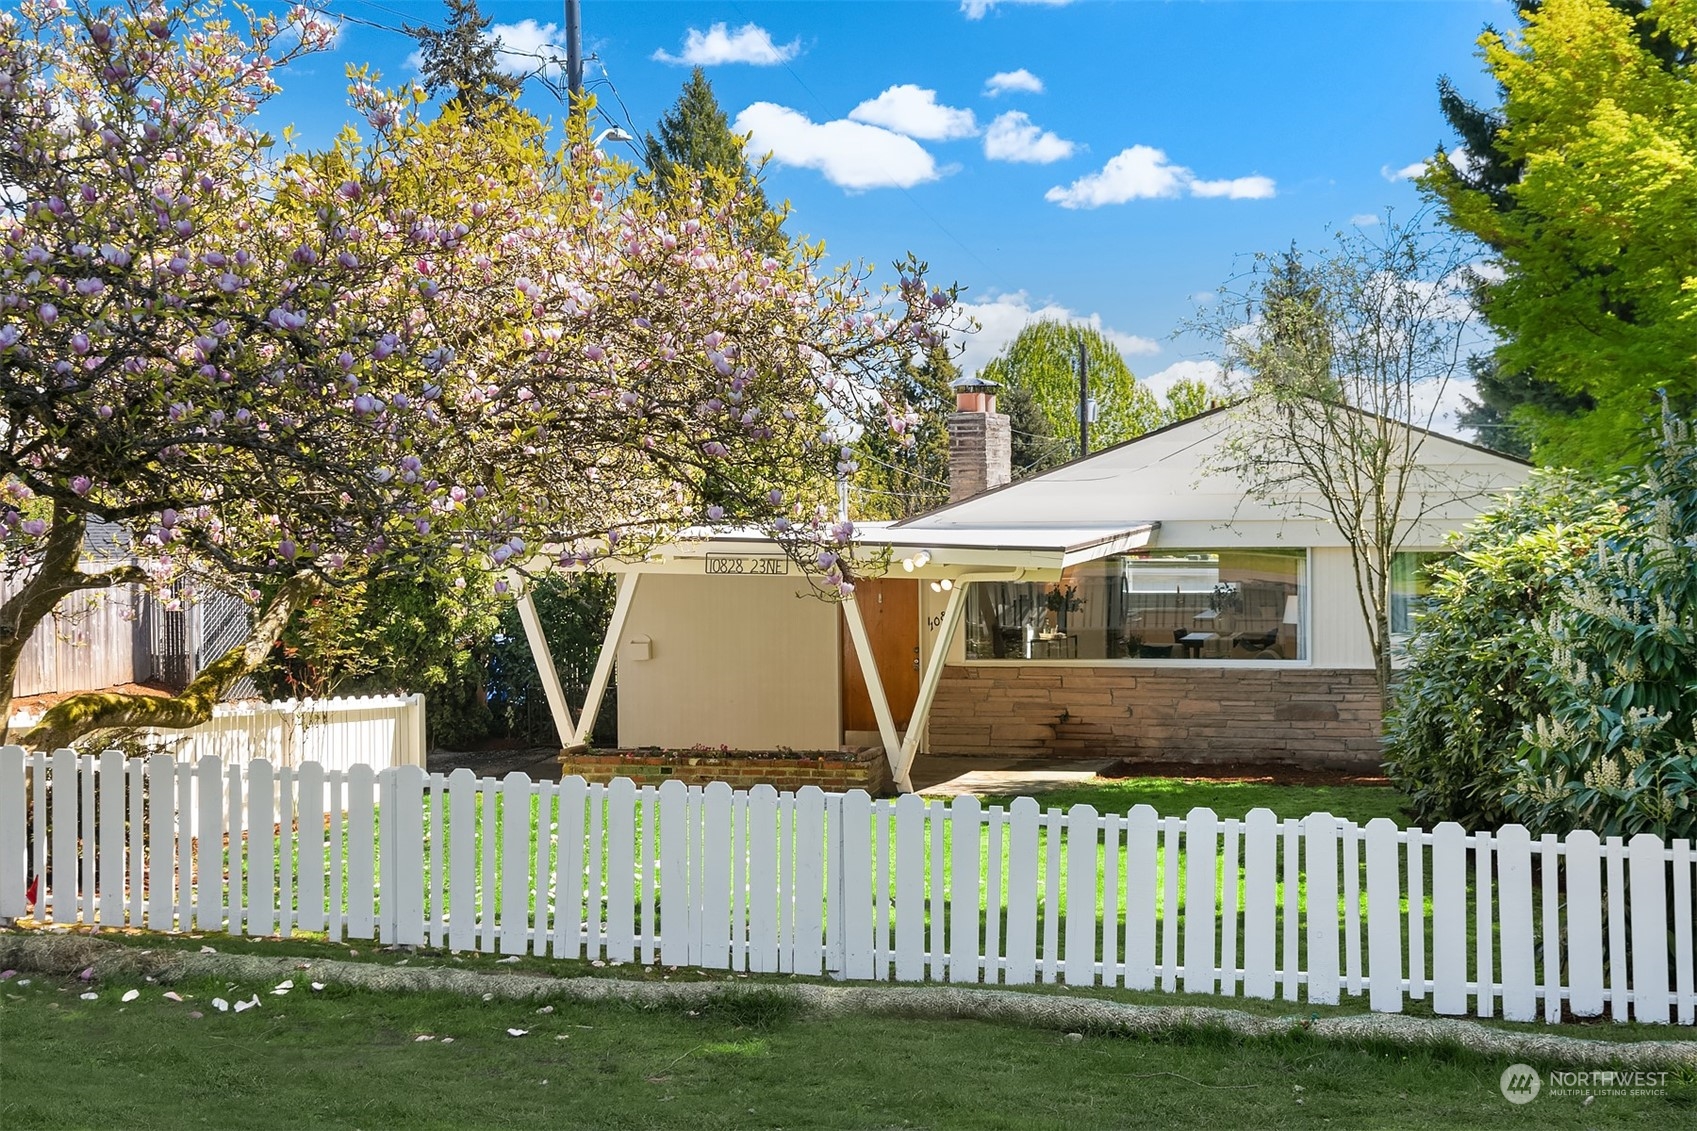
[[345, 1058]]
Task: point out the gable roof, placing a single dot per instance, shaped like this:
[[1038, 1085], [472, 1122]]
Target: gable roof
[[1163, 477]]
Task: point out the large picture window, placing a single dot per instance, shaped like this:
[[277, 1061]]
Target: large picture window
[[1204, 605]]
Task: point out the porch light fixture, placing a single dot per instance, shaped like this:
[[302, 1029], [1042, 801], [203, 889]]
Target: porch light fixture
[[942, 586], [916, 561]]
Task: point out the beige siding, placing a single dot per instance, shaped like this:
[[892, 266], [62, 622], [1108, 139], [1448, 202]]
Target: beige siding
[[738, 661], [1338, 636]]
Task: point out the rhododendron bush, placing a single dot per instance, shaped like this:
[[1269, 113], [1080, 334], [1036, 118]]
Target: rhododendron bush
[[274, 367]]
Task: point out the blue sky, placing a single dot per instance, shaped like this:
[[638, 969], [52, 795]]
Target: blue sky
[[1108, 161]]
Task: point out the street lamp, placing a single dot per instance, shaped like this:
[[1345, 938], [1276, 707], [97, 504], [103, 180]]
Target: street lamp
[[613, 134]]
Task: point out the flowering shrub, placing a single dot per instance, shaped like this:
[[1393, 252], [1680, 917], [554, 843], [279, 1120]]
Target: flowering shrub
[[1553, 680]]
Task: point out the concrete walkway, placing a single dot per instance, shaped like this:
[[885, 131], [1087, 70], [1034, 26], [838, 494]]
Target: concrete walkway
[[938, 776]]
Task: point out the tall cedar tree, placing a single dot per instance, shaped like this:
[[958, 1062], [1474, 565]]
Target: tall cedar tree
[[695, 141], [461, 58], [1486, 168]]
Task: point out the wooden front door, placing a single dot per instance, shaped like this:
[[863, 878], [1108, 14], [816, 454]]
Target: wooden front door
[[890, 610]]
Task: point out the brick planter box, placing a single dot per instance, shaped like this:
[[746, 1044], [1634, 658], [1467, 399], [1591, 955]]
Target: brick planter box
[[833, 771]]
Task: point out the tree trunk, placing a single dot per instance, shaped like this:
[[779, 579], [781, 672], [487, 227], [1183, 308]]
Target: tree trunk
[[54, 579], [93, 712]]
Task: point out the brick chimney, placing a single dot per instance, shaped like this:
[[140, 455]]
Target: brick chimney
[[980, 440]]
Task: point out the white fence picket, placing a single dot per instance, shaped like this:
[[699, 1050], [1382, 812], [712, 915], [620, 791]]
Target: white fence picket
[[209, 846], [1229, 835], [361, 891], [309, 842], [1349, 841], [1648, 859], [1549, 922], [236, 817], [1292, 911], [965, 942], [1022, 893], [1260, 856], [674, 874], [109, 904], [514, 930], [1584, 924], [1200, 849], [1484, 1000], [779, 883], [61, 868], [1079, 966], [1384, 918], [14, 835], [1685, 953], [854, 874], [1514, 877], [1142, 870], [1614, 859], [407, 896], [1170, 903], [763, 854], [717, 821], [1449, 919], [261, 896], [910, 897], [1321, 846]]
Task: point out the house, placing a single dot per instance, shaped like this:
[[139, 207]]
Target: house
[[1133, 603]]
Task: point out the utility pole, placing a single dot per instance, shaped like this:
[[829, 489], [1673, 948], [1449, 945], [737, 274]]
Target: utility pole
[[1083, 399], [574, 50]]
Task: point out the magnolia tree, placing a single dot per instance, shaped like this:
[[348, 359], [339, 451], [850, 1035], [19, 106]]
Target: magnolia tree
[[275, 368]]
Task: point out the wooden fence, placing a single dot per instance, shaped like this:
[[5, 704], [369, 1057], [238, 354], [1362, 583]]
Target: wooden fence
[[1495, 924], [89, 641]]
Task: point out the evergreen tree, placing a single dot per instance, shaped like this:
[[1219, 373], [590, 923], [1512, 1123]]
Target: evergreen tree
[[462, 59], [1035, 446], [695, 141], [1579, 181], [906, 474]]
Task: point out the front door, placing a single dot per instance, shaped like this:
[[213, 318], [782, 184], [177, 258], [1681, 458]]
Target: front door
[[890, 610]]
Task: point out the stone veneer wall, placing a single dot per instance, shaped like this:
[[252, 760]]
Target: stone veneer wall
[[1305, 716], [870, 772]]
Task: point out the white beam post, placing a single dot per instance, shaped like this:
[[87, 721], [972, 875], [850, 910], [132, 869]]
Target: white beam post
[[544, 657], [953, 613], [874, 684], [609, 653]]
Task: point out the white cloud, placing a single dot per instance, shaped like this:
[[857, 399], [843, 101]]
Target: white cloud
[[852, 155], [1236, 188], [750, 43], [1012, 137], [915, 111], [1364, 220], [1459, 158], [1143, 173], [977, 9], [1010, 82], [1001, 317], [527, 47], [1161, 383], [1406, 173]]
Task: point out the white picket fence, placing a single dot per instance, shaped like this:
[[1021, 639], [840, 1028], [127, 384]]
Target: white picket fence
[[375, 730], [815, 883]]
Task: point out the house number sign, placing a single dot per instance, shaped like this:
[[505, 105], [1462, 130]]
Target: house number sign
[[747, 566]]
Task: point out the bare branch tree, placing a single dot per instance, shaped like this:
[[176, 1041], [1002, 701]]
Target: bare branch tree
[[1340, 362]]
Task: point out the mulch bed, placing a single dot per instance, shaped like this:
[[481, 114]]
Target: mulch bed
[[1260, 773]]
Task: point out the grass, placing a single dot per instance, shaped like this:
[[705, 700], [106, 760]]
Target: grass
[[347, 1058], [1174, 797]]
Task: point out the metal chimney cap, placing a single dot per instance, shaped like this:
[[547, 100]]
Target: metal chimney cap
[[973, 384]]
